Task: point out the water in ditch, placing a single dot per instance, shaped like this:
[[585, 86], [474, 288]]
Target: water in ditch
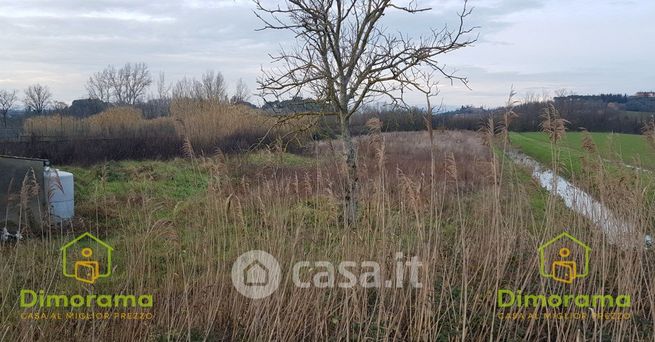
[[579, 201]]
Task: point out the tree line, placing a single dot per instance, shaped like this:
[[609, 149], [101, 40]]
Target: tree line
[[125, 86], [37, 98], [599, 113]]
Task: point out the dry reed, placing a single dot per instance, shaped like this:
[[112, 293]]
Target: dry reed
[[478, 233]]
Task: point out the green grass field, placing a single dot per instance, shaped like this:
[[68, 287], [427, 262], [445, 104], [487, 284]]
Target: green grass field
[[625, 148]]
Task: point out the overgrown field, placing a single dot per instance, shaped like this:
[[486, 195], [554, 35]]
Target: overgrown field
[[472, 218]]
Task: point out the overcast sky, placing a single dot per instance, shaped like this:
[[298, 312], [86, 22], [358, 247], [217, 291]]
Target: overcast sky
[[586, 46]]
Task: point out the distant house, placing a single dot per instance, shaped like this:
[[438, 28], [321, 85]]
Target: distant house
[[645, 94], [86, 107]]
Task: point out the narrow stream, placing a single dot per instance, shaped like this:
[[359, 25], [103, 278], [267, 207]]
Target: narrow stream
[[578, 200]]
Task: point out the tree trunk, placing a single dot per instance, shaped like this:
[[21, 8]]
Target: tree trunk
[[350, 195]]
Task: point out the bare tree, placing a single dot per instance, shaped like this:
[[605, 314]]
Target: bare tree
[[183, 89], [131, 83], [126, 85], [211, 87], [563, 92], [530, 97], [59, 106], [241, 93], [159, 103], [163, 88], [37, 98], [7, 100], [99, 86], [345, 57], [565, 106]]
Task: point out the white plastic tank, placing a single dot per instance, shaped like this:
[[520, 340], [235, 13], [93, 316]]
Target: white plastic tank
[[60, 193]]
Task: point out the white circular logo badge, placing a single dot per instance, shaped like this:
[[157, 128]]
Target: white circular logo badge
[[256, 274]]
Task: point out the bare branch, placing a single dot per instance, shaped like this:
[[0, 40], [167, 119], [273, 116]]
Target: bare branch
[[37, 98], [345, 57], [126, 85], [7, 100], [241, 93], [210, 88]]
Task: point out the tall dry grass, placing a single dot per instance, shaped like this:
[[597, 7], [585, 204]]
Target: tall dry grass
[[210, 126], [204, 125], [478, 233], [123, 133], [118, 122]]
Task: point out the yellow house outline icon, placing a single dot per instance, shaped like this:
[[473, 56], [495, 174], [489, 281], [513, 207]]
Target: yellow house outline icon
[[86, 264], [542, 260]]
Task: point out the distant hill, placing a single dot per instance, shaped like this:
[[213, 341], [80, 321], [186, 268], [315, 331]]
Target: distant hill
[[599, 113]]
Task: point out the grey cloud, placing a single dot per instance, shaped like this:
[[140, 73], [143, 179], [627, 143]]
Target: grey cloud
[[62, 42]]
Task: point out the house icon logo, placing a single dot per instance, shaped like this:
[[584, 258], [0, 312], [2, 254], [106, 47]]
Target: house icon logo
[[86, 258], [256, 274], [564, 259]]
